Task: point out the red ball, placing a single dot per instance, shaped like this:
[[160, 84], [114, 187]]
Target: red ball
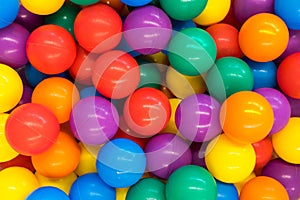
[[19, 161], [51, 49], [288, 74], [263, 150], [31, 129]]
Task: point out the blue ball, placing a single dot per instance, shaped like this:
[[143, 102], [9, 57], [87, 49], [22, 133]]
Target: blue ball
[[226, 191], [136, 3], [91, 187], [89, 92], [121, 163], [289, 11], [9, 10], [48, 193]]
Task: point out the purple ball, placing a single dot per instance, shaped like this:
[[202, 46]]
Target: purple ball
[[29, 20], [295, 106], [280, 105], [197, 117], [287, 174], [26, 96], [13, 40], [198, 153], [243, 9], [165, 153], [94, 120], [147, 30]]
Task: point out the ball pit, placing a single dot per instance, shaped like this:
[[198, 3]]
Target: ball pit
[[160, 99]]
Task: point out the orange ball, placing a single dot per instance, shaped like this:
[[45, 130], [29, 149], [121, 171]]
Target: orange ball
[[60, 160], [58, 94], [263, 37], [246, 117], [263, 187]]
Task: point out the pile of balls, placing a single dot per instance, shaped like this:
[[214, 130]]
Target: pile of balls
[[149, 99]]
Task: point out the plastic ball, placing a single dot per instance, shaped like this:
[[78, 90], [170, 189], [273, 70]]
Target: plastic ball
[[26, 96], [87, 162], [29, 20], [136, 3], [91, 186], [44, 193], [118, 5], [293, 45], [19, 161], [147, 111], [286, 142], [11, 88], [51, 49], [116, 74], [17, 183], [263, 37], [198, 153], [171, 125], [165, 153], [121, 193], [94, 120], [280, 105], [192, 51], [287, 75], [178, 25], [213, 12], [98, 28], [9, 11], [242, 159], [197, 118], [246, 117], [191, 181], [263, 151], [149, 74], [226, 191], [12, 45], [147, 188], [88, 92], [289, 12], [147, 29], [226, 39], [84, 2], [42, 7], [295, 106], [228, 76], [60, 160], [183, 10], [39, 127], [263, 187], [121, 163], [287, 174]]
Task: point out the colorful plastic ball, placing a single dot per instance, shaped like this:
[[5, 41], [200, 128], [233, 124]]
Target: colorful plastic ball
[[17, 183], [213, 12], [197, 117], [98, 28], [58, 94], [263, 187], [293, 45], [295, 106], [243, 9], [91, 186], [51, 49], [38, 125], [19, 161], [149, 74], [60, 160], [147, 111], [178, 25], [171, 125], [121, 163], [241, 156], [286, 142], [13, 45], [147, 29], [193, 182], [165, 153], [88, 92], [26, 96], [28, 20], [280, 105], [147, 188], [246, 117], [9, 11], [226, 191], [42, 7], [124, 46], [116, 74], [263, 151], [84, 2], [287, 75], [11, 88], [192, 51], [87, 162], [136, 3], [198, 153], [47, 193], [183, 10], [226, 39], [121, 193], [263, 37], [118, 5], [289, 12], [239, 185], [287, 174]]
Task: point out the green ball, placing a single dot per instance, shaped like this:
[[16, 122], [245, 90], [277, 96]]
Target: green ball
[[191, 182], [149, 74], [84, 2], [192, 51], [182, 9], [228, 76], [147, 188]]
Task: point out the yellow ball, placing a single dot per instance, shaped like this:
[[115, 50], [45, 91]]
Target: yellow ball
[[171, 126], [229, 161], [42, 7], [7, 152], [17, 183], [239, 185], [214, 12], [286, 142], [11, 88], [121, 193], [87, 162]]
